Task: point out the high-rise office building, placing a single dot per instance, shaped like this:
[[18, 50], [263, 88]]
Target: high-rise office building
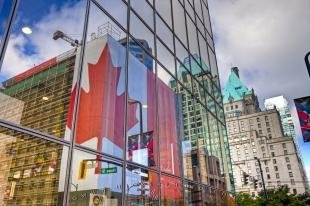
[[281, 104], [253, 133], [202, 140], [99, 124]]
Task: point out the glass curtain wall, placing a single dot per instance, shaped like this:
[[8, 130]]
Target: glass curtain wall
[[111, 103]]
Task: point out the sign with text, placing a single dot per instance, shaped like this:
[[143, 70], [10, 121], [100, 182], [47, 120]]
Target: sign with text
[[108, 170]]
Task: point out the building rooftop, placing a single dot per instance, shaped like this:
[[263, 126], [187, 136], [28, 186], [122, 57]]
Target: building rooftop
[[235, 90]]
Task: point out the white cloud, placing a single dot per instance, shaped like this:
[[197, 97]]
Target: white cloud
[[69, 19], [267, 40]]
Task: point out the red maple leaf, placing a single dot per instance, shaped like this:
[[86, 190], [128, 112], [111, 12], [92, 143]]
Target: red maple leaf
[[101, 111]]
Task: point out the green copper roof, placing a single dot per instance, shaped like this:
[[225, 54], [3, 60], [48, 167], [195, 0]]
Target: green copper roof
[[235, 90]]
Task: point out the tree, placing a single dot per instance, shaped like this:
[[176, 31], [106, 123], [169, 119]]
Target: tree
[[245, 199], [276, 197]]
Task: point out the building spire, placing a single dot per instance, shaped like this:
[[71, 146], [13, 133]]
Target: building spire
[[236, 71]]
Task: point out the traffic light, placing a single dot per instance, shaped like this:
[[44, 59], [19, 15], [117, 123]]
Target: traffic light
[[255, 182], [245, 178], [82, 170]]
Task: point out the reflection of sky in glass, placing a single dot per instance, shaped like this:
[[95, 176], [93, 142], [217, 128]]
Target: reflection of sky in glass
[[44, 18], [5, 7]]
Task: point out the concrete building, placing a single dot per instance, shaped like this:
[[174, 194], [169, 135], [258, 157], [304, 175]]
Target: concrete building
[[255, 133], [281, 104]]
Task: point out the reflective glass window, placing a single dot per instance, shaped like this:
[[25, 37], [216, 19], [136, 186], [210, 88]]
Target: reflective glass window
[[192, 37], [95, 180], [117, 9], [144, 10], [179, 21], [141, 33], [171, 191], [164, 32], [142, 133], [165, 57], [164, 10], [142, 186], [29, 166], [101, 111], [5, 8], [39, 64]]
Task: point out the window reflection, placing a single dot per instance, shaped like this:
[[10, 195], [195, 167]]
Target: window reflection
[[5, 8], [141, 112], [171, 191], [95, 180], [31, 167], [179, 21], [37, 71], [141, 33], [101, 111], [144, 10], [142, 186]]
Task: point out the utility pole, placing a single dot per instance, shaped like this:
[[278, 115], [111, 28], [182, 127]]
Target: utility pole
[[261, 174]]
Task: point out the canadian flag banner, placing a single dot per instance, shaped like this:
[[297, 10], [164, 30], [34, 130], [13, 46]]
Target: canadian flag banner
[[101, 109]]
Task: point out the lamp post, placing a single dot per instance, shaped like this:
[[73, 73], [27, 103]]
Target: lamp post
[[261, 174]]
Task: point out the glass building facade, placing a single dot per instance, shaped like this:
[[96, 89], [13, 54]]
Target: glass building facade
[[111, 103]]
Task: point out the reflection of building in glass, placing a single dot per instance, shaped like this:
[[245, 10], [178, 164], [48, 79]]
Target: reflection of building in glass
[[255, 133], [203, 134], [102, 124], [41, 97], [140, 53]]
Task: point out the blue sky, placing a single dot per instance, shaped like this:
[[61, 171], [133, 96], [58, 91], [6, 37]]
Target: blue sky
[[267, 40]]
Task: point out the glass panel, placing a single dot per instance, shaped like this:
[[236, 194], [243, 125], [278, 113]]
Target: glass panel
[[117, 9], [198, 9], [165, 57], [144, 10], [101, 111], [213, 65], [184, 75], [171, 191], [164, 9], [164, 33], [179, 21], [189, 10], [193, 194], [95, 180], [169, 126], [39, 63], [180, 51], [141, 114], [206, 19], [192, 37], [32, 170], [140, 32], [204, 57], [142, 186], [166, 77], [189, 138], [201, 27], [5, 8], [199, 91]]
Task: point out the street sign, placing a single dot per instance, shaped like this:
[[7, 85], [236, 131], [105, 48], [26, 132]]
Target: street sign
[[108, 170]]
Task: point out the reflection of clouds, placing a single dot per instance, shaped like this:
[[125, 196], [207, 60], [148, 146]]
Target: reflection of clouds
[[68, 19]]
